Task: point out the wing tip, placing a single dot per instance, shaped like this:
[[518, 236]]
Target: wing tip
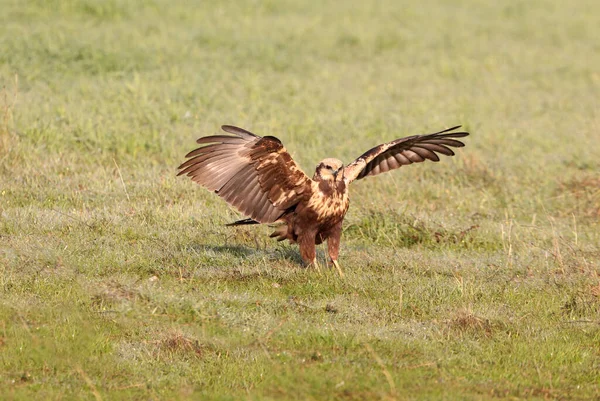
[[228, 128], [459, 134], [190, 153], [232, 129]]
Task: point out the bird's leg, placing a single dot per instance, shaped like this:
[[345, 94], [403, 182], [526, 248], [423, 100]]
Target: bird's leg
[[308, 249], [333, 246]]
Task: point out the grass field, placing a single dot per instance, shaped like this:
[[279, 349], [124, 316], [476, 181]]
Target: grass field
[[474, 278]]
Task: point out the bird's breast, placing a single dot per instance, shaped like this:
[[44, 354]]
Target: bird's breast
[[329, 202]]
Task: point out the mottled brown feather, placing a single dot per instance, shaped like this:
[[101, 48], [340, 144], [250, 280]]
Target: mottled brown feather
[[254, 174], [412, 149]]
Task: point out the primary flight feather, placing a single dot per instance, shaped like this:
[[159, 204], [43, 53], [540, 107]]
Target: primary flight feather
[[259, 178]]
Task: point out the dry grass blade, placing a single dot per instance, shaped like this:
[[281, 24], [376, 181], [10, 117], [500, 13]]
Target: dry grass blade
[[384, 370], [90, 383]]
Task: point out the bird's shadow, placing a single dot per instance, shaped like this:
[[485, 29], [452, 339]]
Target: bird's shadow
[[275, 253], [235, 250]]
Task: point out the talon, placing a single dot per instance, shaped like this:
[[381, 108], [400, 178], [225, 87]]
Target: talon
[[339, 269]]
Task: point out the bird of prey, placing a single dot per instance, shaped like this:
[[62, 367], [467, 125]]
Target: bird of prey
[[258, 177]]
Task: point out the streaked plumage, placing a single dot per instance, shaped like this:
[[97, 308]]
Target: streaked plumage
[[259, 178]]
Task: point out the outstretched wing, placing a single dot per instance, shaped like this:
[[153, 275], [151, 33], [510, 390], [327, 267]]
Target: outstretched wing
[[255, 175], [398, 153]]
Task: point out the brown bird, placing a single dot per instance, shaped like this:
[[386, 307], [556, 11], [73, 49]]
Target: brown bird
[[259, 178]]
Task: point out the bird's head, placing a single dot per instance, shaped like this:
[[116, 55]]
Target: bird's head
[[329, 170]]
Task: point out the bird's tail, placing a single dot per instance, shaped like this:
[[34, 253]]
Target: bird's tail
[[242, 222], [282, 233]]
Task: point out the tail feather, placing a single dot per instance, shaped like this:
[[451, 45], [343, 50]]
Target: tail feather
[[281, 233], [242, 222]]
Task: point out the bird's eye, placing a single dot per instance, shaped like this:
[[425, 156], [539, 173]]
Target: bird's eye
[[328, 167]]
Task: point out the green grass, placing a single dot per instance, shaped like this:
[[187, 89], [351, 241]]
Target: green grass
[[474, 278]]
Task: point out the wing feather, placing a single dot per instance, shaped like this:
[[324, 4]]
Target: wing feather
[[383, 164], [213, 147], [239, 132], [202, 160], [219, 172], [219, 139], [402, 160], [425, 153], [244, 199], [451, 142], [265, 208], [254, 197], [254, 174], [413, 156], [238, 186], [434, 147], [404, 151], [392, 162]]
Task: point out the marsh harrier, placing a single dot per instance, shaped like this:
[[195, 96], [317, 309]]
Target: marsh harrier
[[258, 177]]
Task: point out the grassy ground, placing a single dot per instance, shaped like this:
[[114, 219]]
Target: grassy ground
[[475, 278]]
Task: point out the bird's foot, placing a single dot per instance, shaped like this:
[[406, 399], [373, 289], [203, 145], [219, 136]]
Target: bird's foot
[[338, 268]]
